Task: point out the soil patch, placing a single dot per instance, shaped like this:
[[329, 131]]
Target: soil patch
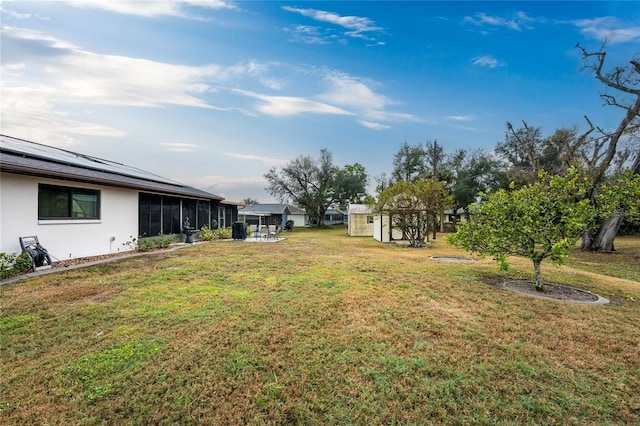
[[89, 259], [555, 291]]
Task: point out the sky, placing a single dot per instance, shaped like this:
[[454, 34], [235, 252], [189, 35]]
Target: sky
[[215, 93]]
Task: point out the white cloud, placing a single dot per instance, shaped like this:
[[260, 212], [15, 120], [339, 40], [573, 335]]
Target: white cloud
[[310, 34], [608, 29], [517, 22], [349, 91], [7, 13], [461, 117], [487, 61], [268, 161], [282, 106], [34, 118], [374, 126], [46, 73], [179, 146], [152, 8], [355, 94], [355, 26]]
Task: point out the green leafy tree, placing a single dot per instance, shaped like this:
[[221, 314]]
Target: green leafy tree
[[409, 163], [412, 206], [471, 174], [317, 185], [250, 201], [350, 185], [538, 221]]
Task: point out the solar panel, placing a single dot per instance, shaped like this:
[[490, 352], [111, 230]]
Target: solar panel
[[49, 153]]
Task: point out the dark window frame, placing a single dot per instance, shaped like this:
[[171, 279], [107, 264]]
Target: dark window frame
[[70, 192]]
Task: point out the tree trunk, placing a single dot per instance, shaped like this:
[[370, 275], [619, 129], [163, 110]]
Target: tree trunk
[[435, 226], [602, 239], [536, 268]]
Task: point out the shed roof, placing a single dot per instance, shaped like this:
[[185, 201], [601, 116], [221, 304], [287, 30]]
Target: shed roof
[[359, 209], [30, 158]]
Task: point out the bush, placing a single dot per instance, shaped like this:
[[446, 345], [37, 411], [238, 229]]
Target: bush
[[145, 244], [207, 234], [12, 264]]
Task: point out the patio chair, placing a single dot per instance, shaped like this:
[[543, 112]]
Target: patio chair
[[274, 231], [264, 231]]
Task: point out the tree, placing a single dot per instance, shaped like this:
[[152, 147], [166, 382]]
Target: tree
[[412, 206], [522, 149], [315, 186], [250, 201], [472, 174], [350, 187], [623, 91], [408, 163], [538, 221]]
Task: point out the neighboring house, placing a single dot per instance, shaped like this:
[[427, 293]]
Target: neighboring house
[[460, 216], [298, 216], [79, 206], [360, 221], [272, 214], [335, 217]]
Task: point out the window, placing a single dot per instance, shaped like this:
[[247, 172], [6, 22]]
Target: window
[[369, 219], [61, 202]]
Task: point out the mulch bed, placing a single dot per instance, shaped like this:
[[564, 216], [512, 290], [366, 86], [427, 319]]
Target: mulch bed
[[88, 259], [554, 291]]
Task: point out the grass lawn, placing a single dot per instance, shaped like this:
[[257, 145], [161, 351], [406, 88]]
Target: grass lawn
[[319, 329]]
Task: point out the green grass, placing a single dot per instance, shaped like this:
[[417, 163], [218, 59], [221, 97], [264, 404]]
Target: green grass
[[318, 329]]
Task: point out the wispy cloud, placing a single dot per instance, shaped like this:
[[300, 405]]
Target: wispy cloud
[[517, 22], [310, 34], [268, 161], [282, 106], [608, 29], [374, 126], [179, 146], [353, 26], [461, 117], [487, 61], [356, 95], [153, 8], [40, 73]]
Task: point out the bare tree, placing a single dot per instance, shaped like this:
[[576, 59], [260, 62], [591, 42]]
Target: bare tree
[[622, 85]]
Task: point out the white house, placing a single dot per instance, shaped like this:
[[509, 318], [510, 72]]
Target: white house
[[79, 206]]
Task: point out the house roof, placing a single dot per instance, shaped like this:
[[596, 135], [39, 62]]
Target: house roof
[[268, 209], [255, 209], [30, 158]]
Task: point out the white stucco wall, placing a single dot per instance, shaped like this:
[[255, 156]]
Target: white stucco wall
[[298, 219], [65, 239]]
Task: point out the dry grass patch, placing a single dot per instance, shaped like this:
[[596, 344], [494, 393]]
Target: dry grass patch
[[317, 329]]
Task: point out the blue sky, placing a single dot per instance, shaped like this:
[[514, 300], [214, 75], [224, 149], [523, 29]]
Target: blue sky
[[215, 93]]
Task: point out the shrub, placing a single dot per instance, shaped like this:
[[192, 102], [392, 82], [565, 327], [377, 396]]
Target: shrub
[[162, 240], [207, 234], [12, 264], [145, 244]]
